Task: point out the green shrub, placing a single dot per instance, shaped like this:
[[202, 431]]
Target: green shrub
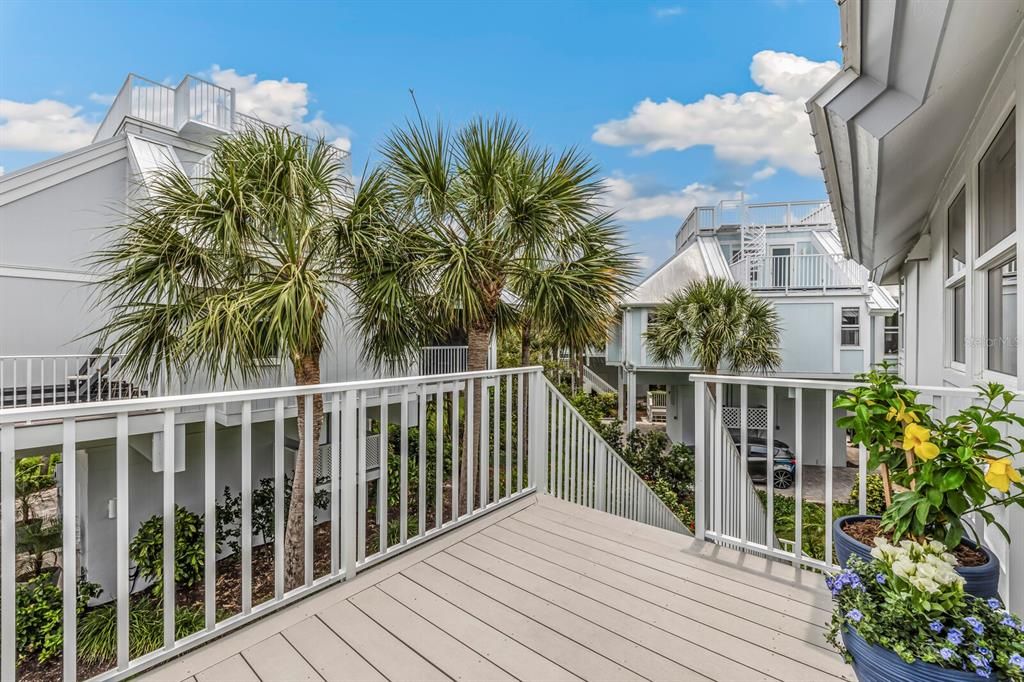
[[654, 457], [147, 549], [40, 616], [97, 631], [229, 512], [875, 495]]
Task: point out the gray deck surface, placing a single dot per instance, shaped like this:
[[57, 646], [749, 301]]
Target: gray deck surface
[[542, 590]]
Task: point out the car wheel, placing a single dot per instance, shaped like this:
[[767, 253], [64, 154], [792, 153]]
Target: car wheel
[[783, 478]]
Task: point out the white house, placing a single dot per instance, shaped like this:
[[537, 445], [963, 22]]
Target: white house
[[53, 215], [835, 322], [917, 140]]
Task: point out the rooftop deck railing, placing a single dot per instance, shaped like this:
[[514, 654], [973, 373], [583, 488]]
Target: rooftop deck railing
[[734, 213], [723, 503], [467, 444], [802, 271]]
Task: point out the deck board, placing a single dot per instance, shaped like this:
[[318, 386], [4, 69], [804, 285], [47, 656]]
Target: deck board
[[544, 590]]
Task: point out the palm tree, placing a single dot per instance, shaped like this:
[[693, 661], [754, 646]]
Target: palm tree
[[219, 275], [716, 321], [472, 214], [571, 295]]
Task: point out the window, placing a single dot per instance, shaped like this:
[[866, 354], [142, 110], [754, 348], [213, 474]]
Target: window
[[891, 335], [956, 242], [849, 328], [996, 182], [959, 318], [1002, 317]]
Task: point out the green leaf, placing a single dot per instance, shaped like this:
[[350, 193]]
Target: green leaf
[[953, 478]]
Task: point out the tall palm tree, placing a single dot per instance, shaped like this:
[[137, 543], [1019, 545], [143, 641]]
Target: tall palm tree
[[219, 275], [716, 321], [472, 211], [571, 296]]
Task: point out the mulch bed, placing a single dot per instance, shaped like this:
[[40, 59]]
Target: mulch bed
[[867, 530]]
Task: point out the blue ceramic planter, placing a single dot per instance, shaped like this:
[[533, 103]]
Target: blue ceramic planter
[[873, 663], [981, 581]]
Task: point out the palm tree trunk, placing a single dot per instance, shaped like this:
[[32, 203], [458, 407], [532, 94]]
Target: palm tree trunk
[[524, 350], [479, 340], [307, 373]]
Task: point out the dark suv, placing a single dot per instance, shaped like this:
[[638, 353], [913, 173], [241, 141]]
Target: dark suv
[[784, 468]]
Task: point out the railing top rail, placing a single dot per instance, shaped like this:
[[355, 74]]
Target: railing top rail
[[61, 357], [22, 414], [735, 379], [442, 347]]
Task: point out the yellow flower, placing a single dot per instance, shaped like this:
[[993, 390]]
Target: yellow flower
[[915, 438], [1000, 473], [901, 414]]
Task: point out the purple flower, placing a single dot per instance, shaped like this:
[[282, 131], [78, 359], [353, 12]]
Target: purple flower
[[1017, 660], [880, 578], [955, 636], [983, 672], [994, 604], [1009, 621], [975, 624], [935, 626], [854, 615], [987, 653], [946, 653]]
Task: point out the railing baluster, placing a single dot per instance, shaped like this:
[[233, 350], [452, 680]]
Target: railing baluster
[[699, 460], [361, 480], [403, 468], [770, 521], [741, 478], [279, 498], [209, 516], [508, 435], [169, 523], [8, 562], [383, 448], [496, 448], [799, 483], [485, 416], [438, 456], [470, 388], [350, 483], [421, 476], [69, 553], [719, 447], [862, 479], [828, 476], [121, 447], [519, 434], [455, 416], [246, 525], [337, 522]]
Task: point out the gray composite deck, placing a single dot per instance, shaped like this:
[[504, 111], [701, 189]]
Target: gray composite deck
[[542, 590]]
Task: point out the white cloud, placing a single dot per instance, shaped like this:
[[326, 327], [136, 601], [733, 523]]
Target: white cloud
[[43, 126], [666, 12], [622, 196], [98, 98], [281, 102], [763, 174], [745, 128], [1, 170]]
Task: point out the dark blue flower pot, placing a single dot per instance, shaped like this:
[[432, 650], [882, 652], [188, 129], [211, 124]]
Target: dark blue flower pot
[[873, 663], [981, 581]]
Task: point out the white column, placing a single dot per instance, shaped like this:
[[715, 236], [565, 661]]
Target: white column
[[619, 394], [630, 401]]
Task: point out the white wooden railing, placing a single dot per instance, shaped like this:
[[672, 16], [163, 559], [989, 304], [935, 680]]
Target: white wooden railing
[[722, 479], [443, 359], [583, 468], [803, 271], [511, 431], [27, 380], [657, 406], [734, 213], [596, 381]]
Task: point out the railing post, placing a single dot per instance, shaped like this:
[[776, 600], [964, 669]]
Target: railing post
[[699, 451], [601, 477], [8, 633], [538, 427], [349, 485]]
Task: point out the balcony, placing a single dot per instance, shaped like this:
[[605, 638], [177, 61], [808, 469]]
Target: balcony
[[800, 272], [551, 558], [30, 380]]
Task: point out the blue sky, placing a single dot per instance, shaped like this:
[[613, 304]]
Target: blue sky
[[679, 102]]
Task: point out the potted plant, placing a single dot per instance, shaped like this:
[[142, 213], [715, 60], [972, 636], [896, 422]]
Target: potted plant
[[904, 616], [934, 472]]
